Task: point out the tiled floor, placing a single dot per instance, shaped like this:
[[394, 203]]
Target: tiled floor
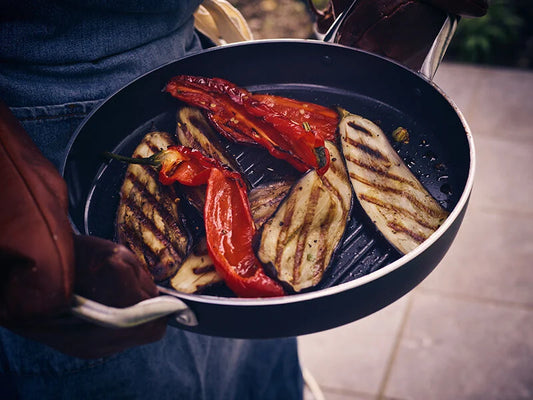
[[467, 331]]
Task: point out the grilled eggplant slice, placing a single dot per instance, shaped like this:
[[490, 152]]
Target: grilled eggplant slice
[[198, 271], [300, 239], [393, 198], [194, 130], [265, 199], [148, 217]]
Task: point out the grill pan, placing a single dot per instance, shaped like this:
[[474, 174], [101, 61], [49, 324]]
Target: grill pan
[[367, 274]]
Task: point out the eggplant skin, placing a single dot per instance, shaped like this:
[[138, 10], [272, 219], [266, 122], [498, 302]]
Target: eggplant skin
[[148, 218], [300, 239], [393, 198]]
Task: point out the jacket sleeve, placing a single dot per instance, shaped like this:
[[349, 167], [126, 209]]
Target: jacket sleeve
[[36, 239]]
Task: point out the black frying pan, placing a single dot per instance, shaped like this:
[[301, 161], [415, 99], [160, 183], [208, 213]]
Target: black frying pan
[[367, 273]]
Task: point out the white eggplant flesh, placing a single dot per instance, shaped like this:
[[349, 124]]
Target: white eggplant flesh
[[197, 272], [300, 239], [393, 198]]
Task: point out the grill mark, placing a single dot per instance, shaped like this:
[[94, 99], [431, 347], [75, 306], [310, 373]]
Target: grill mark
[[149, 170], [190, 140], [133, 239], [370, 151], [359, 128], [414, 201], [163, 207], [400, 210], [148, 224], [376, 168], [333, 189], [154, 148], [400, 228], [203, 270], [312, 202], [282, 237], [323, 236]]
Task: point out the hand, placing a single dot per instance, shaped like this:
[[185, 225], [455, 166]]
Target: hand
[[110, 274], [42, 263]]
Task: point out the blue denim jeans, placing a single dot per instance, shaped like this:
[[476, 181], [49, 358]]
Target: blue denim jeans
[[50, 88], [180, 366]]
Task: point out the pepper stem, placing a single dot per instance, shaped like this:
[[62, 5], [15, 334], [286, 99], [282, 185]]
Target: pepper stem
[[131, 160]]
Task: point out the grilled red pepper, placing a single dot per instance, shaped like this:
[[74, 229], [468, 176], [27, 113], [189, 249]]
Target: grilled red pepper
[[227, 217], [229, 230], [320, 120], [238, 116]]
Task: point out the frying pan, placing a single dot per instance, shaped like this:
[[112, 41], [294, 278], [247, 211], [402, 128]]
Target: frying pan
[[366, 274]]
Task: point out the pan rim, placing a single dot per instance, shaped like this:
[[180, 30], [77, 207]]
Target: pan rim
[[336, 289]]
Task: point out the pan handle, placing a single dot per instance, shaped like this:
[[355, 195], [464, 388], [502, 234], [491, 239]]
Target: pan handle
[[436, 52], [439, 47], [140, 313]]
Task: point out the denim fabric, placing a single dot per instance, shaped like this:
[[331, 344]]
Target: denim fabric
[[181, 366], [58, 59], [58, 52]]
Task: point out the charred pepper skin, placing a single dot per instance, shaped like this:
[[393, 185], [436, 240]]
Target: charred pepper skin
[[243, 118]]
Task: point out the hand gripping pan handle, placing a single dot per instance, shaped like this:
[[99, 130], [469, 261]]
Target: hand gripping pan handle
[[140, 313], [436, 52]]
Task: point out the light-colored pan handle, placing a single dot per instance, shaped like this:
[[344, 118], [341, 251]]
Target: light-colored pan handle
[[137, 314], [439, 47], [435, 54]]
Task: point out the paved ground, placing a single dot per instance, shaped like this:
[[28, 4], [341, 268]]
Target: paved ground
[[467, 331]]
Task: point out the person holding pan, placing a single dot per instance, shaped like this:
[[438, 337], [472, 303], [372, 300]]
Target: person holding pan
[[59, 60]]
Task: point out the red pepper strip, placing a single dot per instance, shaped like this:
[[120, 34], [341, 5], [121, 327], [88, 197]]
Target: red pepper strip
[[228, 220], [235, 114], [229, 230], [323, 121], [186, 165]]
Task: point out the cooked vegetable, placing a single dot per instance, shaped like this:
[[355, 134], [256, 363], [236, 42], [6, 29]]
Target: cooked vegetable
[[193, 130], [400, 207], [237, 115], [198, 270], [322, 121], [401, 135], [148, 218], [301, 237], [228, 223], [229, 229]]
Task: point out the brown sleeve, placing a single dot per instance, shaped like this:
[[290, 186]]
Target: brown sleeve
[[36, 244]]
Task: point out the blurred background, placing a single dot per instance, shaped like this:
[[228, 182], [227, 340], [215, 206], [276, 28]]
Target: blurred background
[[503, 37], [466, 332]]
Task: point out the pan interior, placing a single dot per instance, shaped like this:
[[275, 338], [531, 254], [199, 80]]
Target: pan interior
[[363, 250]]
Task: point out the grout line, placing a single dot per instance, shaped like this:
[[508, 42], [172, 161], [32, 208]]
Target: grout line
[[512, 212], [395, 350], [476, 299]]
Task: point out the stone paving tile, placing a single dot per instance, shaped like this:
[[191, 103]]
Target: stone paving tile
[[458, 81], [490, 258], [336, 395], [354, 357], [455, 349], [497, 99], [504, 175]]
